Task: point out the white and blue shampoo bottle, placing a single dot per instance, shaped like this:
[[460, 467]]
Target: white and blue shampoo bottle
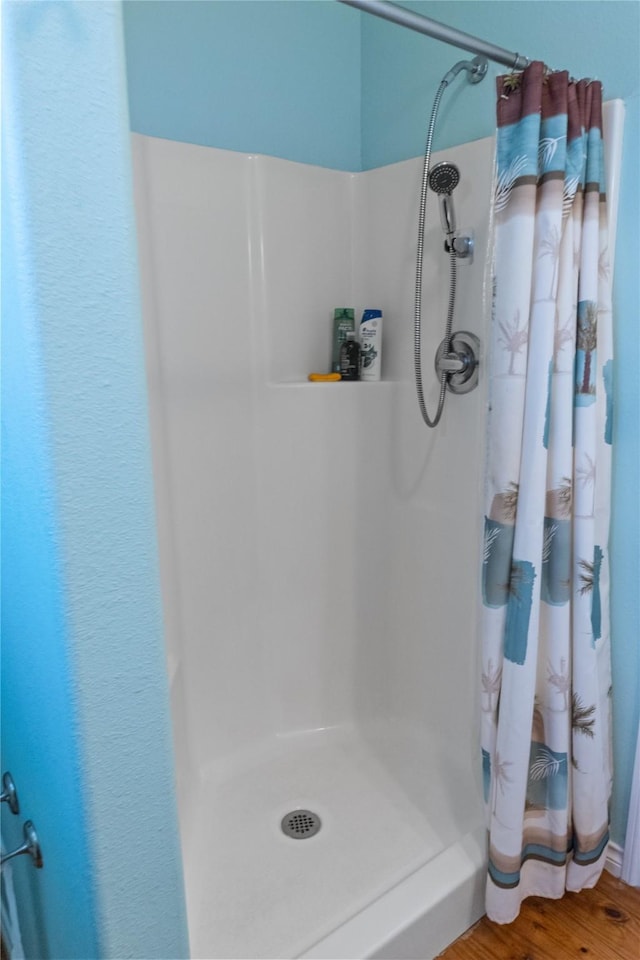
[[370, 345]]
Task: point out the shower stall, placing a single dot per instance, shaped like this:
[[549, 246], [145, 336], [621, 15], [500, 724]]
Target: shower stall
[[320, 552]]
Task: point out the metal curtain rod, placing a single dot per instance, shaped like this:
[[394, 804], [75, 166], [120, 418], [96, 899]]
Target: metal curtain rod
[[439, 31]]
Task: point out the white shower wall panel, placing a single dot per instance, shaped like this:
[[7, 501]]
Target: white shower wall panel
[[325, 543], [435, 476], [303, 228], [324, 594], [307, 439], [201, 357], [243, 260]]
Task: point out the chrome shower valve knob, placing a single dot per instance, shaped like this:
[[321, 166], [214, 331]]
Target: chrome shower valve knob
[[457, 360]]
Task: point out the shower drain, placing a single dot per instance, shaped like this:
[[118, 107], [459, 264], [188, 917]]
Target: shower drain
[[300, 824]]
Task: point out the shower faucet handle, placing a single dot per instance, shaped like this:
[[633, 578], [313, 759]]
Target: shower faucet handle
[[457, 359], [451, 363]]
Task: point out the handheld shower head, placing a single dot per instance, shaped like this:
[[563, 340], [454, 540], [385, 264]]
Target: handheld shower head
[[443, 179]]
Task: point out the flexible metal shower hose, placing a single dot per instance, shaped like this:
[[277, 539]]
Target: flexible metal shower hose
[[417, 359]]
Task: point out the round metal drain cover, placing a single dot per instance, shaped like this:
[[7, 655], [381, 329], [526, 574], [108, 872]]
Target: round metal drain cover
[[300, 824]]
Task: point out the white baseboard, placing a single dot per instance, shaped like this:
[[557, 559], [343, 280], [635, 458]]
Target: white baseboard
[[613, 862]]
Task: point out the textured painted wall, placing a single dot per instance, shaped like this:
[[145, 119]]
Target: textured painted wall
[[259, 76], [40, 743], [86, 730]]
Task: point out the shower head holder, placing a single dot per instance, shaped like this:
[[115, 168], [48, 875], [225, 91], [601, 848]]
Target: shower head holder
[[476, 70], [461, 246]]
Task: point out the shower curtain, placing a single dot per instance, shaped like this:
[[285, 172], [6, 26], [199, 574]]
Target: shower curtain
[[545, 659]]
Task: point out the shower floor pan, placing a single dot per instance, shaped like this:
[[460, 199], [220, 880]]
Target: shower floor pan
[[396, 869]]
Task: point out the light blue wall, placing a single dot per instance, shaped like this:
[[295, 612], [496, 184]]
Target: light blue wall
[[258, 76], [40, 743], [203, 89], [401, 69], [85, 703]]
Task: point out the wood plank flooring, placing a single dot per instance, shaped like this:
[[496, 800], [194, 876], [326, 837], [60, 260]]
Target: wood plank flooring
[[598, 924]]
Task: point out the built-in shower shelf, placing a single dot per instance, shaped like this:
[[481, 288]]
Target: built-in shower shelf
[[335, 384]]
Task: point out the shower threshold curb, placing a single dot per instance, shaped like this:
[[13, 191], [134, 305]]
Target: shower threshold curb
[[422, 914]]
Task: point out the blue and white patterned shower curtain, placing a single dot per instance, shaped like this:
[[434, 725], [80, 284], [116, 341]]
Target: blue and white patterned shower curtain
[[545, 659]]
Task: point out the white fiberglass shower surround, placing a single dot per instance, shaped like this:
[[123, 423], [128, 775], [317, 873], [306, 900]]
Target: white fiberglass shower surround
[[319, 548], [320, 552]]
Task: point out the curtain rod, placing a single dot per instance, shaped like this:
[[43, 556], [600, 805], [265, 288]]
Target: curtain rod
[[439, 31]]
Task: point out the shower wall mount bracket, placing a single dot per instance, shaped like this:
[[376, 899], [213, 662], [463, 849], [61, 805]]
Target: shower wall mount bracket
[[458, 359], [479, 68], [461, 246]]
